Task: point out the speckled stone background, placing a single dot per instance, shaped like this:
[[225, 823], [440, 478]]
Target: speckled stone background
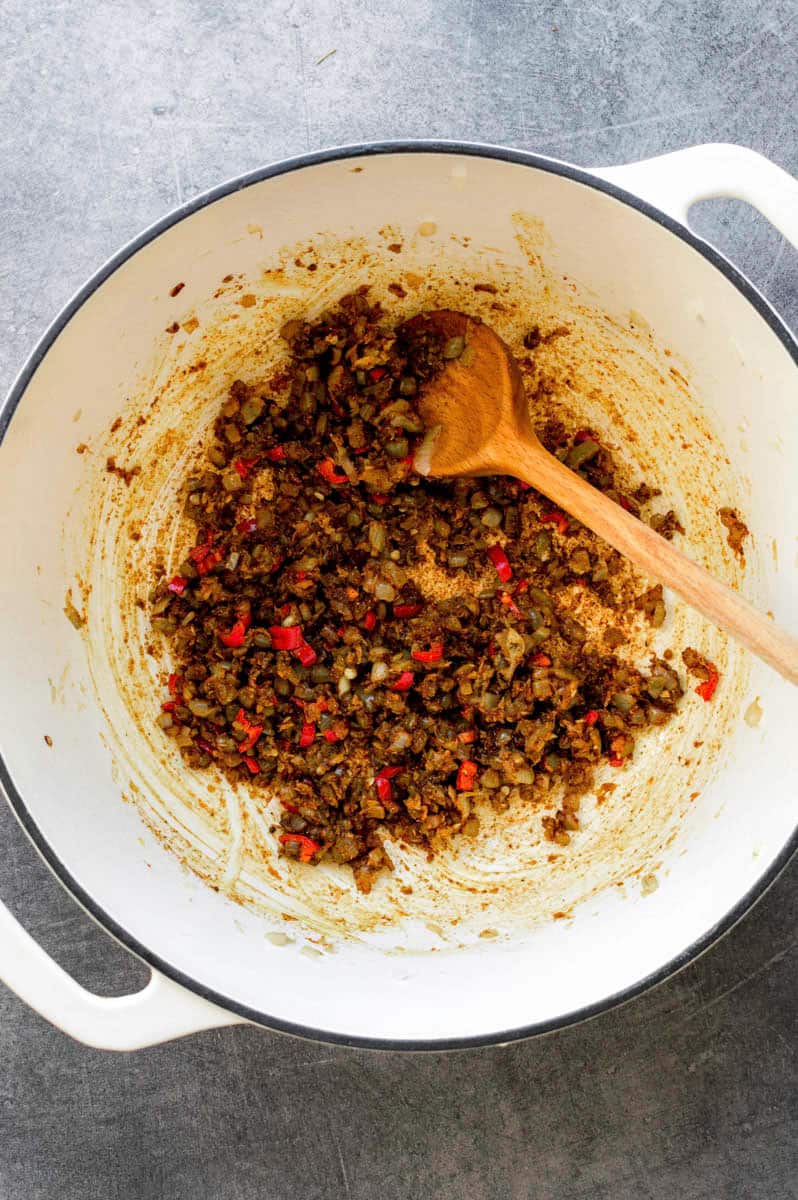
[[112, 113]]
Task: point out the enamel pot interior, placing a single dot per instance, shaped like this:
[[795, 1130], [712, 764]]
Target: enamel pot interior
[[669, 354]]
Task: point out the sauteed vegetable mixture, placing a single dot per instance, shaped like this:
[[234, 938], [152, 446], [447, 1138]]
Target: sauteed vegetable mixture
[[384, 652]]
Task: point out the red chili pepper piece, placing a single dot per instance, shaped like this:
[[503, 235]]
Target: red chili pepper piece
[[384, 790], [206, 747], [306, 654], [251, 765], [508, 602], [706, 690], [541, 660], [615, 761], [286, 637], [276, 454], [382, 782], [583, 435], [248, 526], [201, 550], [466, 775], [404, 682], [524, 487], [332, 736], [591, 716], [326, 469], [403, 611], [624, 503], [521, 587], [244, 465], [213, 560], [555, 518], [377, 373], [169, 706], [278, 562], [307, 846], [434, 654], [177, 585], [380, 498], [252, 731], [175, 685], [203, 555], [249, 741], [501, 562], [467, 736], [235, 637], [307, 734]]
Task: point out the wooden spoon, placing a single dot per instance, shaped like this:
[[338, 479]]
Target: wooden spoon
[[479, 423]]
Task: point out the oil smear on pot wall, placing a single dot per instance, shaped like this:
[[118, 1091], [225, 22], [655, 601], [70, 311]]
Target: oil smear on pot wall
[[607, 371]]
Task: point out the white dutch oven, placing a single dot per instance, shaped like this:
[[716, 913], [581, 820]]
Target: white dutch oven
[[618, 236]]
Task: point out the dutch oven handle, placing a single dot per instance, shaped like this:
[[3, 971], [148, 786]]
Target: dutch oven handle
[[159, 1012], [673, 182]]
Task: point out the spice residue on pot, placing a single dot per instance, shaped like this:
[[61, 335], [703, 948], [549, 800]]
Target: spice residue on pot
[[600, 373]]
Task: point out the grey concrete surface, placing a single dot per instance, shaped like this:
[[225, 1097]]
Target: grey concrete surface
[[110, 114]]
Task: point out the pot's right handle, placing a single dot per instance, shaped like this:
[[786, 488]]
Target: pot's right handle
[[160, 1011], [674, 181]]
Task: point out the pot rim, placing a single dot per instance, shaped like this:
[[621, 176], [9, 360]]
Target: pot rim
[[17, 391]]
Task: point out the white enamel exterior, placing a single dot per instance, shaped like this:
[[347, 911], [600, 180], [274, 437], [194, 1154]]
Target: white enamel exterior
[[747, 379]]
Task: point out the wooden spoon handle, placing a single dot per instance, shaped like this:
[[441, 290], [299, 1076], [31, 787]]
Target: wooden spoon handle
[[657, 557]]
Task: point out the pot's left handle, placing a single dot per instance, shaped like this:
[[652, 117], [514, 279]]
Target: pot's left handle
[[159, 1012]]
